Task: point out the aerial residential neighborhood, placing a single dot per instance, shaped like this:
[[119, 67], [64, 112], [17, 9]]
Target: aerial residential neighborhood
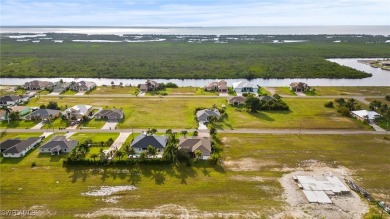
[[195, 109]]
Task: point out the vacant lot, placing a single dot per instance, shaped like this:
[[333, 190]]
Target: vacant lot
[[247, 183], [114, 90], [353, 91]]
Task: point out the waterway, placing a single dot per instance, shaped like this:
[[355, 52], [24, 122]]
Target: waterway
[[379, 78]]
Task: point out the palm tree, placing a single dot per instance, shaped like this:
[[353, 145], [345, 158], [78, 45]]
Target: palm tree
[[151, 151], [94, 156], [112, 84], [184, 133], [170, 152], [129, 151], [7, 112], [119, 154], [198, 154], [195, 133], [121, 84], [168, 131]]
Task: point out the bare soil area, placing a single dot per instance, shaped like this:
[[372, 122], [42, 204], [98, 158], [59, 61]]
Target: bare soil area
[[343, 206]]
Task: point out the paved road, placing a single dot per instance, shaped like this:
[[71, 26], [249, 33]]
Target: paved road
[[243, 131]]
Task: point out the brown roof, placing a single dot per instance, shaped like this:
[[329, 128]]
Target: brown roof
[[196, 143], [239, 99]]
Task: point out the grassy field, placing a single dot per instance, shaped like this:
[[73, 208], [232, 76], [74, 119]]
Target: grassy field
[[22, 124], [113, 90], [354, 91], [95, 137], [69, 92], [200, 186], [284, 91], [179, 113], [303, 113]]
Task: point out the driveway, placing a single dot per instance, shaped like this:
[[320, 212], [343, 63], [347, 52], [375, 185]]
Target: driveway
[[53, 94], [110, 125], [376, 127], [38, 126], [118, 142], [73, 126], [80, 93], [68, 134], [223, 94], [202, 126], [46, 134], [142, 94]]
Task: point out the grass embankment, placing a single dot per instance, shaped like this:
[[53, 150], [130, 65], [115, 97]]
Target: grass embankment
[[207, 188], [179, 113], [184, 60]]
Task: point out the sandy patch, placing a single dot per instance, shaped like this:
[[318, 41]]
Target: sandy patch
[[343, 206], [272, 90], [108, 190], [246, 164], [249, 178], [166, 211]]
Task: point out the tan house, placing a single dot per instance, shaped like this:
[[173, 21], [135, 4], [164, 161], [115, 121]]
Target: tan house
[[220, 86], [38, 85], [203, 144], [149, 86], [237, 100], [299, 87]]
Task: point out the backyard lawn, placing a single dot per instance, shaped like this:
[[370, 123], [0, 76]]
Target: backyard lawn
[[21, 124]]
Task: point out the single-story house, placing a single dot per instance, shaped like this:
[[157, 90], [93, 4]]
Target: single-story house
[[38, 85], [192, 144], [82, 86], [241, 87], [203, 115], [365, 115], [149, 85], [266, 98], [58, 144], [142, 141], [43, 114], [10, 100], [3, 115], [299, 87], [77, 112], [237, 100], [17, 147], [23, 110], [220, 86], [110, 115], [60, 87]]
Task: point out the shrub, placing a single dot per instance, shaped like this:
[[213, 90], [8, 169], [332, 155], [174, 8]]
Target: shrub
[[33, 164], [171, 85], [329, 104]]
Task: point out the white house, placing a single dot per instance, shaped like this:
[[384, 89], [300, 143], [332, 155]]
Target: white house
[[241, 87], [18, 148], [57, 145], [77, 112], [365, 115]]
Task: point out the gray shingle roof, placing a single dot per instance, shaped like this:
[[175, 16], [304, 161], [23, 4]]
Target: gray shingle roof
[[43, 113], [202, 115], [10, 98], [5, 145], [143, 141], [22, 145], [61, 142]]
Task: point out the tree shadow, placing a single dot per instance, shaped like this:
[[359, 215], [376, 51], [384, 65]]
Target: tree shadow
[[159, 177], [184, 172], [77, 173], [262, 116]]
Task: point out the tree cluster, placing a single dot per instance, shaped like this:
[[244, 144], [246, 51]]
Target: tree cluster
[[344, 107], [254, 104]]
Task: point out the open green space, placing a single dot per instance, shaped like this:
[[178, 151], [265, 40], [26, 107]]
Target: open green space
[[229, 188], [184, 60], [353, 91], [95, 137], [165, 113], [284, 91], [69, 92], [21, 124], [190, 91], [114, 90]]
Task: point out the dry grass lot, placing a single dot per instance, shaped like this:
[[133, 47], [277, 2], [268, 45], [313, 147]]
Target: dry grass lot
[[113, 90], [247, 184], [353, 91]]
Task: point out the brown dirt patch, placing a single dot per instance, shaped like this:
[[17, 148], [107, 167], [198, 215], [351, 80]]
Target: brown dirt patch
[[246, 164]]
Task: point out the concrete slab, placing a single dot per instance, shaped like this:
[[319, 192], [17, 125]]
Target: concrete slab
[[110, 125], [46, 134], [223, 94], [72, 127], [53, 94], [202, 126], [80, 93], [116, 146], [376, 127], [68, 134], [38, 126]]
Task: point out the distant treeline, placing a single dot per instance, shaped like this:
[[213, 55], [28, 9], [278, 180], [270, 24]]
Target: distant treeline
[[183, 60]]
